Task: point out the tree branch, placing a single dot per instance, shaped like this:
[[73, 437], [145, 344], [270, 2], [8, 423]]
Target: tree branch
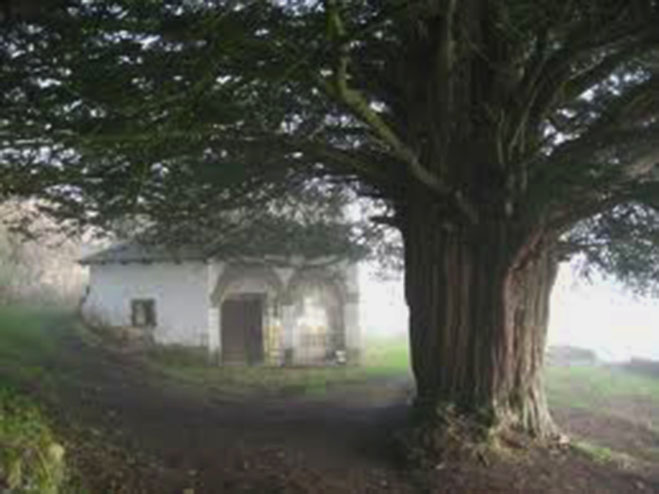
[[550, 75], [358, 104], [623, 187], [443, 90]]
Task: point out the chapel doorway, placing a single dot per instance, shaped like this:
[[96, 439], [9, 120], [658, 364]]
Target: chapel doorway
[[242, 329]]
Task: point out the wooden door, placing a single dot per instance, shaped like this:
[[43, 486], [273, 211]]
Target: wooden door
[[242, 330]]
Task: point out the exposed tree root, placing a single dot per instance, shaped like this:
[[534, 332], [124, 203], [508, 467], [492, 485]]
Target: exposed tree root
[[451, 437]]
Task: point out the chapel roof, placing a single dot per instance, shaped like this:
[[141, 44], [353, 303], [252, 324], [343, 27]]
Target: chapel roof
[[130, 252], [135, 252]]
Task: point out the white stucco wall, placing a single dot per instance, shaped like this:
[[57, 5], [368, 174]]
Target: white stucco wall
[[180, 291]]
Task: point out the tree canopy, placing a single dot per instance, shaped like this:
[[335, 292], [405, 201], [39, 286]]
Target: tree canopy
[[83, 133], [545, 112]]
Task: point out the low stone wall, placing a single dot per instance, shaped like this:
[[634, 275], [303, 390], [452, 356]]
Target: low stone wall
[[565, 355], [644, 366]]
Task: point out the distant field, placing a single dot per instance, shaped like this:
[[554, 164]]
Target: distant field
[[590, 386]]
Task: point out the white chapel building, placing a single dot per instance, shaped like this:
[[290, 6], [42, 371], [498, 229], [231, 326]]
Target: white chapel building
[[271, 310]]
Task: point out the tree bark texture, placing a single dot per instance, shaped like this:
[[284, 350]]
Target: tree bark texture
[[479, 304]]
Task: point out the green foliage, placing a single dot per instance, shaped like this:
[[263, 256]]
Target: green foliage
[[153, 145], [621, 242], [197, 117], [31, 460]]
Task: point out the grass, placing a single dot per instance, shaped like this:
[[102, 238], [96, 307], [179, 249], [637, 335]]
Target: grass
[[23, 333], [35, 369], [590, 386], [602, 454], [29, 338], [28, 344], [386, 357], [605, 391], [31, 358], [383, 358], [31, 461]]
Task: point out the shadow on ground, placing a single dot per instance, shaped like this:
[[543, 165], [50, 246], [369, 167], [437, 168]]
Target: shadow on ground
[[137, 430]]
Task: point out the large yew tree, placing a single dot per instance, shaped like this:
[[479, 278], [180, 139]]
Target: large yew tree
[[500, 136]]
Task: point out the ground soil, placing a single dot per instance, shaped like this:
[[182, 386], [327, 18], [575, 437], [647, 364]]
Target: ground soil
[[131, 431]]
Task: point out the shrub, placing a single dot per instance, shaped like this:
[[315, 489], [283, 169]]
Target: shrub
[[31, 461]]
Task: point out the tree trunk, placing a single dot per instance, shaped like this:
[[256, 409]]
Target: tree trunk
[[479, 303]]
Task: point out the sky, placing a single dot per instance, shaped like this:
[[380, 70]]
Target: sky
[[600, 315]]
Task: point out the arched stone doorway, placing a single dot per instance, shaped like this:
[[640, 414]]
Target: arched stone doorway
[[247, 299], [317, 316]]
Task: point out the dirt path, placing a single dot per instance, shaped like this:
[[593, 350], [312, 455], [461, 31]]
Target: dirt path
[[182, 441], [218, 443]]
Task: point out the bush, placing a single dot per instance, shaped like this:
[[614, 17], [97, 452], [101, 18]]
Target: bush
[[31, 461]]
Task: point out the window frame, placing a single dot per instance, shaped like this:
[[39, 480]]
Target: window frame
[[148, 306]]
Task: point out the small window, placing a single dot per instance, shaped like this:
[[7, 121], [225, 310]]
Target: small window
[[143, 313]]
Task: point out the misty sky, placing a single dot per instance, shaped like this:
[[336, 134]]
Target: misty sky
[[600, 315]]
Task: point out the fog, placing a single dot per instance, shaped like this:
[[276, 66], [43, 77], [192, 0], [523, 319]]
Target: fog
[[603, 316], [600, 315], [383, 312]]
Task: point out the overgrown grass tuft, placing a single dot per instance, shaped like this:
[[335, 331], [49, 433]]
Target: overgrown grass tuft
[[31, 460]]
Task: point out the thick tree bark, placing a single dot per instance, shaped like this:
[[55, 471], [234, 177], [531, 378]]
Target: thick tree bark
[[479, 302]]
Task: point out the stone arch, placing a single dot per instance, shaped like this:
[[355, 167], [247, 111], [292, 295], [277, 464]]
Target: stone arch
[[317, 296], [239, 283], [242, 278], [332, 279]]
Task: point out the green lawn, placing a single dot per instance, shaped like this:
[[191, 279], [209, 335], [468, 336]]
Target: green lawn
[[383, 358], [30, 336], [29, 339], [23, 333], [590, 386], [27, 343], [31, 458]]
